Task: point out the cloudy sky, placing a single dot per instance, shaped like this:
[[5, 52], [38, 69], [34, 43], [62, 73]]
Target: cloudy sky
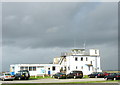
[[38, 32]]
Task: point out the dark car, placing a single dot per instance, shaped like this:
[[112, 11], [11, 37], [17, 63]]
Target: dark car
[[75, 74], [23, 74], [59, 75], [113, 76], [96, 75]]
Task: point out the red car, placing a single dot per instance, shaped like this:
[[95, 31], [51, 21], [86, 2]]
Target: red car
[[75, 74], [106, 74]]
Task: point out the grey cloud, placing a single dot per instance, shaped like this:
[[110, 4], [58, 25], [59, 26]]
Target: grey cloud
[[33, 24], [57, 25]]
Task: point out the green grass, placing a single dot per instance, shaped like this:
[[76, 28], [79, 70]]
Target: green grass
[[48, 77], [40, 77], [94, 81], [85, 76], [112, 81]]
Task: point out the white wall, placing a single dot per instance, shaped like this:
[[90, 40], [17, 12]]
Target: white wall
[[94, 52], [38, 68], [72, 63]]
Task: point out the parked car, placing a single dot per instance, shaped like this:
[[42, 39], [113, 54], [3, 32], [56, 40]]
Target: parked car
[[59, 75], [75, 74], [6, 76], [23, 74], [113, 76], [96, 75], [106, 73]]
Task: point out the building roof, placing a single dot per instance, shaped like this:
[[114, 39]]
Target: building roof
[[34, 65]]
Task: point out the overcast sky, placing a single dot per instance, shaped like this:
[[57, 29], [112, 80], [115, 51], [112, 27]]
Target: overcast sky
[[38, 32]]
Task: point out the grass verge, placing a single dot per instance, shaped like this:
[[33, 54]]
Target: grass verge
[[110, 81], [94, 82], [48, 77], [40, 77]]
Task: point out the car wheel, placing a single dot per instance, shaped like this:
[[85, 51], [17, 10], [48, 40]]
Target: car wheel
[[74, 77], [80, 77], [105, 78], [19, 78], [27, 78], [3, 79], [114, 78], [95, 76]]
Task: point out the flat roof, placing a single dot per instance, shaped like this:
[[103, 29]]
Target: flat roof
[[34, 65]]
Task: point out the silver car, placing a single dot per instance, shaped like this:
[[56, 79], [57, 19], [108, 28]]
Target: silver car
[[6, 76]]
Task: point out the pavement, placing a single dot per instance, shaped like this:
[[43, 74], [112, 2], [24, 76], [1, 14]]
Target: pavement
[[53, 80]]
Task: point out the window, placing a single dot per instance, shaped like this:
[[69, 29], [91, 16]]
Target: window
[[40, 66], [76, 67], [34, 68], [76, 59], [81, 67], [21, 68], [81, 58], [26, 68], [95, 51], [61, 69], [89, 68], [91, 62], [68, 68], [13, 68], [30, 68], [53, 68], [86, 59], [65, 68]]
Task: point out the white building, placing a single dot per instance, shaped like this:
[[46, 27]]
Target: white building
[[36, 69], [79, 59], [84, 60]]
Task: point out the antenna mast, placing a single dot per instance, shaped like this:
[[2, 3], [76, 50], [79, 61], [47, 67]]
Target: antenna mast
[[84, 45]]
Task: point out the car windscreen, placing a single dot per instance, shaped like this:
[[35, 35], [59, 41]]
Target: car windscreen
[[118, 73], [62, 73], [113, 74], [25, 72], [77, 72], [100, 73], [94, 73], [18, 72], [7, 74]]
